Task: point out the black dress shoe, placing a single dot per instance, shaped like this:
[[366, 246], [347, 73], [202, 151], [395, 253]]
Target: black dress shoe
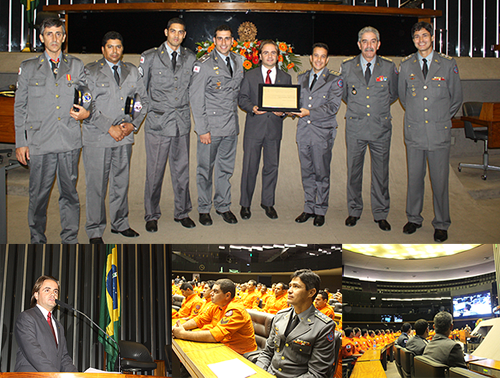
[[152, 226], [303, 217], [129, 233], [270, 212], [96, 241], [319, 220], [351, 221], [205, 219], [228, 216], [186, 222], [440, 235], [245, 212], [384, 225], [410, 228]]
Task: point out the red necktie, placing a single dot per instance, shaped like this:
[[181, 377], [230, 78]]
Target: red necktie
[[268, 78], [49, 320]]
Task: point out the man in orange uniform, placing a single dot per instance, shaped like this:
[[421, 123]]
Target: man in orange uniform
[[366, 339], [191, 305], [234, 326], [264, 295], [321, 303], [279, 302], [359, 341], [251, 300], [349, 348], [207, 298]]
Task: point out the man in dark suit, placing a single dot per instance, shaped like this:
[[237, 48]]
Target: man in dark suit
[[320, 97], [108, 135], [431, 93], [48, 133], [39, 336], [263, 131]]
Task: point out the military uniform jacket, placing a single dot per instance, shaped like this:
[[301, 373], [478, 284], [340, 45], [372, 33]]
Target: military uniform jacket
[[213, 94], [42, 105], [108, 102], [168, 91], [431, 103], [368, 114], [307, 352], [258, 126], [445, 351], [323, 103]]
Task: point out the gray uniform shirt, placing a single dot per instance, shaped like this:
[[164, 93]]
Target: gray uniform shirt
[[445, 351], [416, 345]]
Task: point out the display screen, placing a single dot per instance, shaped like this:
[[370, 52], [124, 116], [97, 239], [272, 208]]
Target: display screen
[[478, 304], [398, 318], [386, 318]]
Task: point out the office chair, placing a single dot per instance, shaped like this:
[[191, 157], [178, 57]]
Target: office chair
[[397, 358], [426, 367], [473, 109], [407, 362], [338, 344], [456, 372], [135, 357]]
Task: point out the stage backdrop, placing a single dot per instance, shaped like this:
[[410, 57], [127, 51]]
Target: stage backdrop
[[143, 271]]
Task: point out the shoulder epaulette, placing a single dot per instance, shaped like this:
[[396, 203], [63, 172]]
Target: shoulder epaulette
[[383, 57], [301, 72], [406, 58], [348, 59], [322, 316], [334, 73], [284, 310], [444, 56], [204, 58]]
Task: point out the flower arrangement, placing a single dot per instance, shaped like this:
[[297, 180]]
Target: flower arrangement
[[287, 60]]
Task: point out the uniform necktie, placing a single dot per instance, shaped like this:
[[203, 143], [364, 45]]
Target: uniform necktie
[[313, 82], [268, 77], [117, 77], [228, 62], [53, 64], [49, 320], [174, 59], [291, 325], [425, 69], [368, 73]]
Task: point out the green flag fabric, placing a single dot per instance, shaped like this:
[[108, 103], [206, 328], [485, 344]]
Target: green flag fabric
[[29, 7]]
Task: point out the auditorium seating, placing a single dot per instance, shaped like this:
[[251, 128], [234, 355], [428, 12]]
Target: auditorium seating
[[426, 367], [135, 357], [397, 357], [177, 301], [407, 363], [262, 322]]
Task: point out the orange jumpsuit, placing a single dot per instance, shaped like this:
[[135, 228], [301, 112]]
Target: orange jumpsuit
[[190, 306], [251, 300], [327, 310], [348, 347], [279, 303]]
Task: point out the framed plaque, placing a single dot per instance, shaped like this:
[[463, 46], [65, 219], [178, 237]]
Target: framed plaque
[[279, 98]]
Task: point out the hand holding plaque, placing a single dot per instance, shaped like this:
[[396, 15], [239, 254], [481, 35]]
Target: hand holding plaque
[[279, 98]]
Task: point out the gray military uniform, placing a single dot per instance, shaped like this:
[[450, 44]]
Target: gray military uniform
[[307, 352], [446, 351], [316, 135], [214, 103], [43, 124], [167, 126], [416, 345], [368, 124], [430, 104], [104, 158]]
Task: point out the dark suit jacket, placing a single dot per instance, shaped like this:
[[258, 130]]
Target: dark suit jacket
[[37, 350], [445, 351], [267, 125]]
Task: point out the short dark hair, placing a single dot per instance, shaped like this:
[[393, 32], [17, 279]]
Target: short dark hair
[[406, 327], [324, 294], [223, 28], [111, 35], [420, 326], [442, 322], [310, 279], [51, 22], [364, 331], [226, 286], [356, 330], [268, 42], [422, 25], [320, 45], [253, 282], [186, 286], [210, 283], [38, 285], [176, 20], [348, 332]]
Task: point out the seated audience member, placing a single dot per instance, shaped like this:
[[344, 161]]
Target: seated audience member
[[279, 301], [417, 344], [359, 341], [191, 305], [366, 339], [206, 297], [264, 294], [349, 348], [321, 303], [302, 339], [233, 326], [251, 300], [441, 348], [403, 338]]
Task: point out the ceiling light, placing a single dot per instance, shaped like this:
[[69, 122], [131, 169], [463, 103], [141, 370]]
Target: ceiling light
[[408, 251]]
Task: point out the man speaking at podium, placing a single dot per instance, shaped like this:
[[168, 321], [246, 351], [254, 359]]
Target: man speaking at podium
[[39, 336]]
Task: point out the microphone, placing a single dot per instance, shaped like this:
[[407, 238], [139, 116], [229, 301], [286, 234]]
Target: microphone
[[68, 307]]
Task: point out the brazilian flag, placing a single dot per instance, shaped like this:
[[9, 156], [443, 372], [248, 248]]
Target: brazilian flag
[[110, 310], [30, 6]]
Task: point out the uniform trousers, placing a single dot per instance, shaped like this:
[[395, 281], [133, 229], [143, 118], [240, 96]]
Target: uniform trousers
[[439, 170], [43, 170], [379, 152], [315, 159], [216, 158], [158, 150], [252, 150], [103, 164]]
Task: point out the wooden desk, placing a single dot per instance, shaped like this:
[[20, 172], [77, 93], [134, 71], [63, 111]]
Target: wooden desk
[[197, 356], [486, 366], [370, 355], [490, 118], [7, 130], [470, 358], [372, 369]]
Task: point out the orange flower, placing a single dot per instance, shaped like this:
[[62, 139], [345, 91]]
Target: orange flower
[[290, 66], [283, 46], [242, 52], [280, 58], [199, 48], [235, 43], [290, 49], [247, 64], [246, 44], [210, 48]]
